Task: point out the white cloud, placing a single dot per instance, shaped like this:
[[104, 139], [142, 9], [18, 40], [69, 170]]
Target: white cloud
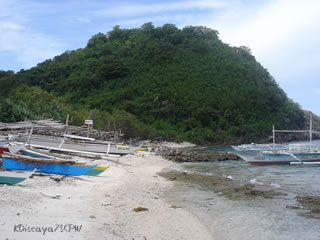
[[29, 47], [149, 9], [84, 20], [180, 20], [7, 25], [16, 37], [283, 35], [269, 27]]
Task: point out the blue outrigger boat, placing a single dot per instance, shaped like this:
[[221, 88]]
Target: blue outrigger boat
[[93, 172], [46, 167]]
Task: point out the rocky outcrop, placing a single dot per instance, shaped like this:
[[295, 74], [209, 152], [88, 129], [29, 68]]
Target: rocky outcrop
[[178, 155], [311, 205], [233, 190]]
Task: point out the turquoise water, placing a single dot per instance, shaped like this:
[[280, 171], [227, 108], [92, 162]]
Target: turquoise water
[[214, 149], [280, 217]]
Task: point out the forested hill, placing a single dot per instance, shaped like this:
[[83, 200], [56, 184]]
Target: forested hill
[[182, 84]]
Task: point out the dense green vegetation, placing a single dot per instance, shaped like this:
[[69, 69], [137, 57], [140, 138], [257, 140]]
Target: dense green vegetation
[[182, 84]]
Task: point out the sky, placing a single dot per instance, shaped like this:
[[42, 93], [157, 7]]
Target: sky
[[283, 35]]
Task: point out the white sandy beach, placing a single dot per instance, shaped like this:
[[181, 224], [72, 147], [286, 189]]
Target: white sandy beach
[[101, 207]]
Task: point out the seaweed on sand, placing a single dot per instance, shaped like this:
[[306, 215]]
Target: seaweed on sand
[[229, 188]]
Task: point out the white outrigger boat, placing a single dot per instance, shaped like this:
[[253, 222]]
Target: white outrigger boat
[[296, 154], [254, 149], [11, 147], [258, 154], [76, 144], [6, 142]]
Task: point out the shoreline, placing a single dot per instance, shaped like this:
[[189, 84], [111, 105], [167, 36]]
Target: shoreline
[[102, 205]]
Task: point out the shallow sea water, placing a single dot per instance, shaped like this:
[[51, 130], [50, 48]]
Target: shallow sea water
[[280, 217]]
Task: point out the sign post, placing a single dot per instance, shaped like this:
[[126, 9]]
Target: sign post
[[89, 123]]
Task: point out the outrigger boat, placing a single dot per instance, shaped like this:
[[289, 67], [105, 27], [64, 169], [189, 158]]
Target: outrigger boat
[[77, 145], [296, 154], [293, 154], [13, 177], [16, 162], [254, 149], [93, 172], [11, 147]]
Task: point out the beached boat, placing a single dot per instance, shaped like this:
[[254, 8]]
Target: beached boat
[[33, 154], [93, 172], [11, 147], [13, 177], [77, 144], [49, 166]]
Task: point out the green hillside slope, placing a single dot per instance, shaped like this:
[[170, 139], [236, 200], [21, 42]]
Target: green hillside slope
[[184, 83]]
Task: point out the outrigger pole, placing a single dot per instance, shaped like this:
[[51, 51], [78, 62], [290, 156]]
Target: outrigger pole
[[294, 131]]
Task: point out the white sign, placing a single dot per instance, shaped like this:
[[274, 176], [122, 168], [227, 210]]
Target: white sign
[[89, 122]]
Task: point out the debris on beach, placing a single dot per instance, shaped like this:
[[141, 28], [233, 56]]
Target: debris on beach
[[53, 197], [140, 209], [58, 179], [175, 206]]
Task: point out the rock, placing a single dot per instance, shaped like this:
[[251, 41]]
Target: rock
[[222, 185], [175, 206], [177, 155], [311, 203]]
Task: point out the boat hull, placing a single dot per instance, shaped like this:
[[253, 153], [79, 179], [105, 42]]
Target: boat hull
[[96, 170], [92, 146], [10, 177], [52, 168], [280, 158], [29, 153], [11, 147], [93, 172]]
